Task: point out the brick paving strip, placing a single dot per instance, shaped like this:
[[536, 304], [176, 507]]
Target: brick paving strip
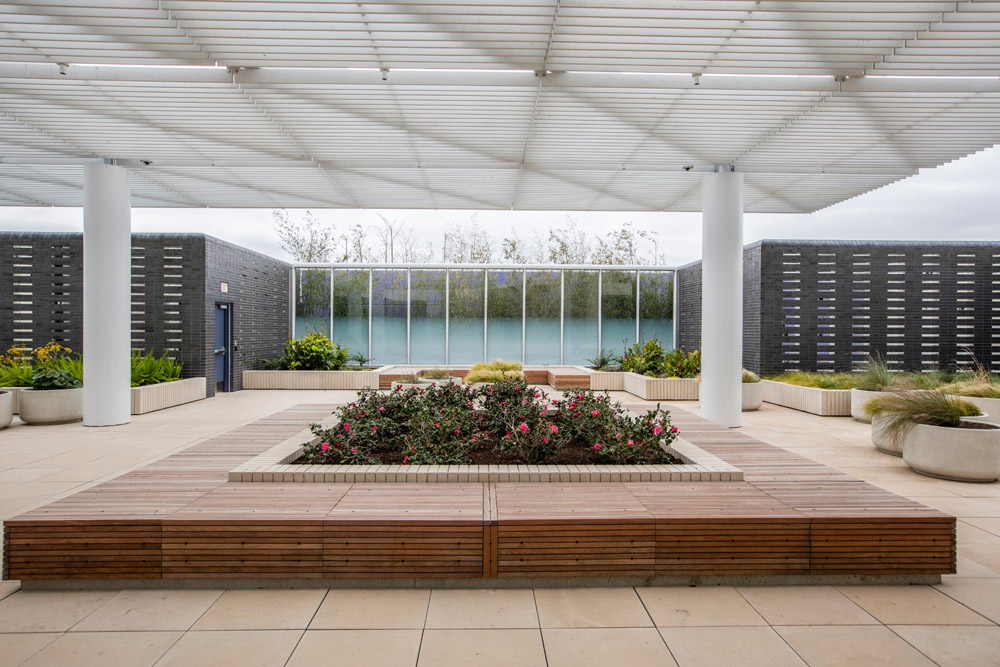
[[180, 520]]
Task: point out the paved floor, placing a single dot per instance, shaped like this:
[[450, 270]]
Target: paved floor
[[955, 623]]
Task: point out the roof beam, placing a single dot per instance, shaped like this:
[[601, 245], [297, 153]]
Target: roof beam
[[491, 78]]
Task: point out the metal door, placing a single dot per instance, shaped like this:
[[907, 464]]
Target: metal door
[[222, 347]]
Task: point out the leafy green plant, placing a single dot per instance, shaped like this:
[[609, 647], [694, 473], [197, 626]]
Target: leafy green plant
[[749, 377], [605, 360], [436, 374], [53, 378], [16, 375], [817, 380], [904, 409], [973, 388], [645, 359], [681, 364], [494, 371], [360, 359], [148, 369], [314, 352]]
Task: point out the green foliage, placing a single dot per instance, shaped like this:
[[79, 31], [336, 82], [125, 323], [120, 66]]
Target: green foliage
[[54, 378], [494, 371], [498, 365], [906, 408], [817, 380], [314, 352], [442, 424], [645, 359], [973, 388], [681, 364], [16, 375], [408, 378], [875, 375], [148, 369], [436, 374], [605, 360], [360, 359], [749, 377]]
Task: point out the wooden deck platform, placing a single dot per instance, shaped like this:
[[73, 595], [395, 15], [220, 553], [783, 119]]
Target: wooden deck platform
[[180, 519]]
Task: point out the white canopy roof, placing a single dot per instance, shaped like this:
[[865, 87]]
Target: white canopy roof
[[536, 104]]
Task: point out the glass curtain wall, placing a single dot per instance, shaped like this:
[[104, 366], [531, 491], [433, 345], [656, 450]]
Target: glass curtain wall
[[656, 307], [427, 321], [465, 317], [389, 316], [438, 315], [503, 321], [350, 310]]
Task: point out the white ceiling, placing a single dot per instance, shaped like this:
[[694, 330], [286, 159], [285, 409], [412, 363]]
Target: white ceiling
[[804, 97]]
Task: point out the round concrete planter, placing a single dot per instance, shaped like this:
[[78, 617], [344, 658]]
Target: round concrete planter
[[6, 408], [859, 397], [959, 454], [882, 440], [988, 406], [52, 406], [753, 396], [436, 381]]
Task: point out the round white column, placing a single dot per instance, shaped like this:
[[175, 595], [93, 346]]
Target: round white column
[[107, 295], [722, 298]]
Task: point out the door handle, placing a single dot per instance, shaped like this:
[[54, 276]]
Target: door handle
[[220, 350]]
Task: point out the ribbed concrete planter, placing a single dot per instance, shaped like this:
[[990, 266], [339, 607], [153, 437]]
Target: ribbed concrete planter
[[662, 389], [311, 379], [166, 395], [881, 438], [753, 396], [859, 397], [14, 393], [606, 380], [959, 454], [822, 402], [6, 408], [51, 406]]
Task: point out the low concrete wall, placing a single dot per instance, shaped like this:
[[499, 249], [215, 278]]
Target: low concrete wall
[[311, 379], [167, 394], [822, 402]]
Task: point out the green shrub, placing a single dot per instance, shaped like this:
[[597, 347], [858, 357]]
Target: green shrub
[[605, 360], [147, 369], [906, 408], [54, 379], [314, 352], [436, 374], [497, 365], [16, 375], [487, 375], [681, 364], [645, 359], [972, 388], [749, 377], [817, 380], [874, 375], [409, 378]]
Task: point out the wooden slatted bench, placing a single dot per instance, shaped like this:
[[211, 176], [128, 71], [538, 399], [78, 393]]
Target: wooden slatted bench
[[179, 519]]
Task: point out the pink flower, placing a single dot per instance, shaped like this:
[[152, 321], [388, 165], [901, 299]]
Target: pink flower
[[437, 423], [673, 429], [325, 446], [573, 404], [353, 404], [630, 443], [555, 429], [537, 395], [381, 409], [597, 446], [523, 427], [618, 436], [545, 439], [595, 413], [576, 414], [374, 429], [473, 438], [456, 431], [398, 387], [657, 430], [353, 450], [347, 427], [406, 459]]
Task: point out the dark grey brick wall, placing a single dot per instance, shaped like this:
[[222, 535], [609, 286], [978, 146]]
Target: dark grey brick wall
[[825, 305], [176, 282]]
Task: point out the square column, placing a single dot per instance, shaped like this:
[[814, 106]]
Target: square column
[[107, 295], [722, 298]]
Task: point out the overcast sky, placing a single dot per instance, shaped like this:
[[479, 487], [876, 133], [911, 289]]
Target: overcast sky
[[958, 201]]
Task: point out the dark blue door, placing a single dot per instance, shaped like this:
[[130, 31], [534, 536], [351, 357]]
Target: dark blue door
[[222, 347]]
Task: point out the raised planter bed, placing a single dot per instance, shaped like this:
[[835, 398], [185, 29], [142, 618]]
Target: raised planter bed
[[661, 389], [822, 402], [605, 380], [167, 394], [311, 379]]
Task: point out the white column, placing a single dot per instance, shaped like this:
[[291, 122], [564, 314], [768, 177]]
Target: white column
[[722, 298], [107, 295]]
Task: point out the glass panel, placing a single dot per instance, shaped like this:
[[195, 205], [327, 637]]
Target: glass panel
[[312, 302], [350, 309], [542, 326], [617, 310], [465, 333], [580, 322], [656, 307], [389, 316], [427, 317], [503, 335]]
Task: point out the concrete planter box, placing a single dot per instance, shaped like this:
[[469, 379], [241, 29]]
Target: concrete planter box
[[6, 408], [859, 397], [167, 395], [661, 389], [311, 379], [822, 402], [52, 406], [959, 454], [14, 393], [753, 396], [882, 440], [605, 380]]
